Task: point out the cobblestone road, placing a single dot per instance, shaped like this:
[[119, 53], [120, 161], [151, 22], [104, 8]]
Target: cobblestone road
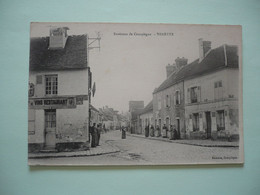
[[134, 150]]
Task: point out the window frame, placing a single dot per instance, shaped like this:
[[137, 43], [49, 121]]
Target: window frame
[[196, 94], [51, 84], [195, 122]]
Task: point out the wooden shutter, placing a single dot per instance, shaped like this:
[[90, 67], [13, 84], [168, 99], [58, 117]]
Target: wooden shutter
[[188, 96], [39, 79]]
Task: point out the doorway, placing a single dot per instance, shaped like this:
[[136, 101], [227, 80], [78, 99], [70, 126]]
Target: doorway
[[50, 128], [178, 128], [208, 124]]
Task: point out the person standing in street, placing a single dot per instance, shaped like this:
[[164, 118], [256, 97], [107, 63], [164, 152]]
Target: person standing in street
[[98, 133], [123, 132], [152, 131], [164, 132], [147, 131], [158, 131], [93, 136], [171, 132]]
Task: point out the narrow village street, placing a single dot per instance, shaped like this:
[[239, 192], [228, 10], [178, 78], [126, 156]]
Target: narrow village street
[[143, 151]]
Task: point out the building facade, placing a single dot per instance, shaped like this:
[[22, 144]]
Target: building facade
[[59, 83], [135, 109], [146, 117], [211, 99], [201, 98]]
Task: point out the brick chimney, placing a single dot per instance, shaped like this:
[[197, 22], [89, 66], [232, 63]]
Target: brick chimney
[[58, 37], [170, 69], [181, 62], [204, 47]]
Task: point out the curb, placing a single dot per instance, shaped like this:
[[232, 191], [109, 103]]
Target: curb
[[74, 154], [185, 143]]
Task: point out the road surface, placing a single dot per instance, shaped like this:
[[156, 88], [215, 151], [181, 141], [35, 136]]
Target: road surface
[[142, 151]]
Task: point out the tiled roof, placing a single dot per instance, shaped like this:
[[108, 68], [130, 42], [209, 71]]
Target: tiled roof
[[148, 108], [73, 56], [213, 61]]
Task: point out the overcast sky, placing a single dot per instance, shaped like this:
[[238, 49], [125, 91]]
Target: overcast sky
[[129, 67]]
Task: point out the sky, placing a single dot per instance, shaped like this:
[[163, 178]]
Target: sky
[[132, 57]]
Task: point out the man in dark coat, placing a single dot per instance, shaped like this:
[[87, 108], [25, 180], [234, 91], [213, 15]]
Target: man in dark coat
[[123, 132], [98, 133], [152, 131], [147, 131], [92, 131]]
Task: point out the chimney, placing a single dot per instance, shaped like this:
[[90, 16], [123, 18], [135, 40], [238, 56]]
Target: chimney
[[204, 47], [58, 37], [181, 62], [170, 69]]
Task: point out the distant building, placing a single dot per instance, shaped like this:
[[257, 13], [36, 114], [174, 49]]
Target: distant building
[[201, 98], [59, 82], [146, 117], [135, 108], [135, 105]]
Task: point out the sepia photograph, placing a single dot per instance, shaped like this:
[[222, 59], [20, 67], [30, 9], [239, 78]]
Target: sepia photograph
[[102, 94]]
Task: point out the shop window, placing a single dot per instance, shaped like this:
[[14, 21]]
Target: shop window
[[51, 84], [177, 98], [220, 120], [195, 122]]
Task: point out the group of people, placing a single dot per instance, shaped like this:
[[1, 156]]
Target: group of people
[[95, 132], [171, 133]]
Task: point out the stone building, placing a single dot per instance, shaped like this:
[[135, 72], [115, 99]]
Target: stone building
[[146, 116], [168, 99], [135, 108], [201, 98], [212, 94], [59, 83]]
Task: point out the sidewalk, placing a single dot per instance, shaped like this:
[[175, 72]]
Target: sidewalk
[[104, 148], [203, 143]]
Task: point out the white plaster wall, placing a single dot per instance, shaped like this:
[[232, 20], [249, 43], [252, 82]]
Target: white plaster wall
[[74, 82], [38, 137]]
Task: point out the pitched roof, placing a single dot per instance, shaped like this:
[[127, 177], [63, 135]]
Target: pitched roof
[[93, 108], [224, 56], [148, 108], [73, 56]]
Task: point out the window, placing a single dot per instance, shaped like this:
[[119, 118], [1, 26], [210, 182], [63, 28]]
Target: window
[[159, 103], [50, 118], [168, 101], [51, 84], [177, 97], [220, 120], [194, 94], [195, 121], [218, 90]]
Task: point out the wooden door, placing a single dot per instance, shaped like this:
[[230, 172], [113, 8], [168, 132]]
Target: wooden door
[[50, 128], [208, 124]]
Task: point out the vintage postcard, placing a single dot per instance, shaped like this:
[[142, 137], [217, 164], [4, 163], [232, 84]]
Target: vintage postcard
[[135, 94]]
